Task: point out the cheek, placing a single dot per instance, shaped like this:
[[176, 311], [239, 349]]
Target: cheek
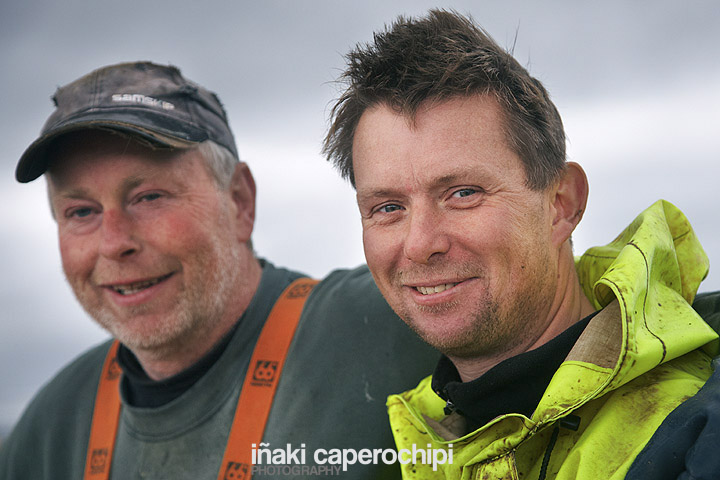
[[178, 227], [186, 233], [478, 237], [168, 231], [379, 251], [498, 231], [76, 255]]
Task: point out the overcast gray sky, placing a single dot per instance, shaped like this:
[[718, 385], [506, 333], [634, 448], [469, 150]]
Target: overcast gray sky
[[637, 83]]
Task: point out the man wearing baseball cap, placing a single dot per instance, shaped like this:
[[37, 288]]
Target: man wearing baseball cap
[[216, 354]]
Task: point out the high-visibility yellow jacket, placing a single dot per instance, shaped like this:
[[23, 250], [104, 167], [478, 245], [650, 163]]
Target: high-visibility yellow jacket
[[645, 353]]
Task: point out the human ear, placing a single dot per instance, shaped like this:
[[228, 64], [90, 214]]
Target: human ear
[[242, 192], [569, 200]]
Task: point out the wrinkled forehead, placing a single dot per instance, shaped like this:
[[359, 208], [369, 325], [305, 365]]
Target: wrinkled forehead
[[447, 135]]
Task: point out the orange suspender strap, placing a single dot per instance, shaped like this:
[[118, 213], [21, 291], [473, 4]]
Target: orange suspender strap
[[105, 419], [261, 380], [254, 404]]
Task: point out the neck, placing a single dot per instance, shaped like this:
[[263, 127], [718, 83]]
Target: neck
[[569, 305], [168, 360]]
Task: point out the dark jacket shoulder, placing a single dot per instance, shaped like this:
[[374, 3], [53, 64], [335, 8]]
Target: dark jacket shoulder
[[707, 304], [685, 444], [55, 421]]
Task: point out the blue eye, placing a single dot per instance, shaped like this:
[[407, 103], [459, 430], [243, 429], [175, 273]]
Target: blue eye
[[80, 212], [149, 197], [389, 208], [465, 192]]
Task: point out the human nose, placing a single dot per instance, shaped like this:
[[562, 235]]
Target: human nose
[[426, 236], [117, 236]]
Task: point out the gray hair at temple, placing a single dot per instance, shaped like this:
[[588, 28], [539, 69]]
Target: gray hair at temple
[[435, 58], [219, 161]]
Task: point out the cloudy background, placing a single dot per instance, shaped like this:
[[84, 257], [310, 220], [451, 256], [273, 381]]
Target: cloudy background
[[637, 83]]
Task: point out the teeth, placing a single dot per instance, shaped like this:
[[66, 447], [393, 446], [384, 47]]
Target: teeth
[[136, 287], [435, 289]]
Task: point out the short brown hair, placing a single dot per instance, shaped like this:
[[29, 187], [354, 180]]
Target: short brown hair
[[435, 58]]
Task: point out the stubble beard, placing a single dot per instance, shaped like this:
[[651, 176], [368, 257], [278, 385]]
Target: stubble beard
[[492, 331], [483, 336], [198, 308]]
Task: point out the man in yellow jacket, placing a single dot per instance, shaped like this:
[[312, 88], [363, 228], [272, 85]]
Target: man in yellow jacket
[[553, 367]]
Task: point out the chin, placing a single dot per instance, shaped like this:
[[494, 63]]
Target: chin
[[143, 332], [444, 336], [451, 346]]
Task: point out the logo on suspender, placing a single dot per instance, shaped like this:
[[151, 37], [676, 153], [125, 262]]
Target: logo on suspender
[[114, 370], [264, 373], [236, 471], [300, 290], [98, 461]]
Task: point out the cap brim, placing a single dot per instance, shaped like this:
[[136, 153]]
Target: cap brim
[[36, 158]]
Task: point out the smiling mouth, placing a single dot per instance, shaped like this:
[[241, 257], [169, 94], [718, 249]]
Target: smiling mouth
[[130, 288], [435, 289]]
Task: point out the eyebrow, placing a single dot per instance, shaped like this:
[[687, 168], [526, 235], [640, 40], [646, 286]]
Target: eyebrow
[[126, 185], [439, 182], [447, 180], [377, 194], [130, 183]]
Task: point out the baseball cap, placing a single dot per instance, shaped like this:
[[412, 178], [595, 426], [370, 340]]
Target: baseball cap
[[146, 100]]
